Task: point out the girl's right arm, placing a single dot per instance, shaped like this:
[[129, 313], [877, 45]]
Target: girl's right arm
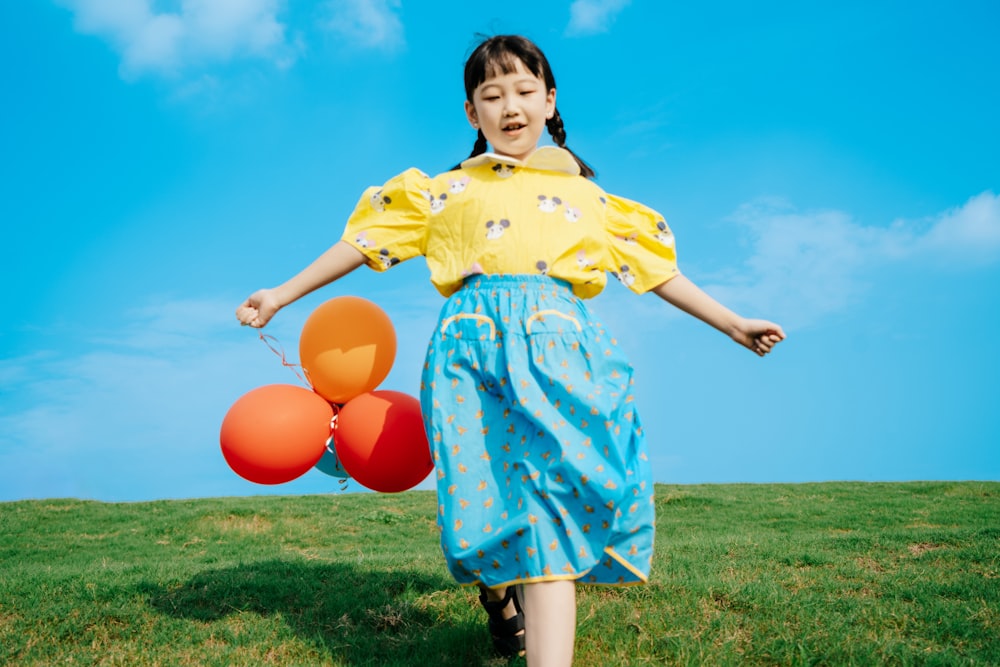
[[338, 261], [758, 336]]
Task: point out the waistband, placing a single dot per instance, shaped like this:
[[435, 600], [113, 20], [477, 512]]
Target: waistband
[[527, 280]]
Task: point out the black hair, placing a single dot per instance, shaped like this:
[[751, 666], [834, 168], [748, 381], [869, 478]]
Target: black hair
[[499, 55]]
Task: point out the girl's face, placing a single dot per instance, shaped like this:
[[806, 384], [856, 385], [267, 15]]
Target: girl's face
[[511, 110]]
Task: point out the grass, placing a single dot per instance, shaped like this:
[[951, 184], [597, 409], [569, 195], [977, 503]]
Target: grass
[[810, 574]]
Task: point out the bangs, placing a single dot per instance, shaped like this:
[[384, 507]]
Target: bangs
[[501, 55], [504, 63]]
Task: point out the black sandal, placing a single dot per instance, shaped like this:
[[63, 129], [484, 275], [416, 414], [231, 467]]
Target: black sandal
[[504, 631]]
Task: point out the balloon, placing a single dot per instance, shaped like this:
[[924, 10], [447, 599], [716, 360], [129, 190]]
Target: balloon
[[347, 347], [275, 433], [330, 464], [380, 441]]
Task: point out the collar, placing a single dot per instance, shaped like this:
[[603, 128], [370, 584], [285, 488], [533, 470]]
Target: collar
[[546, 158]]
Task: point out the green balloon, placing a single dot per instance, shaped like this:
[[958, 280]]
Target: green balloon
[[330, 464]]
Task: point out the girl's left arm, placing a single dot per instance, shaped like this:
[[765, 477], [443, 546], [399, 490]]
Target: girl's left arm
[[758, 336]]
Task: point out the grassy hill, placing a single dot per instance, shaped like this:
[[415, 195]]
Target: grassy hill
[[809, 574]]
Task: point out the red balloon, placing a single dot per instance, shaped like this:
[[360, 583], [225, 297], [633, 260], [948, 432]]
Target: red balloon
[[381, 442], [346, 348], [275, 433]]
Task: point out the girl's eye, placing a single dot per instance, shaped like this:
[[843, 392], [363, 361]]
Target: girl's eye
[[491, 98]]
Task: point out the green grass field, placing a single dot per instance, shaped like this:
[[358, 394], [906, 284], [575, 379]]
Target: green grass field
[[809, 574]]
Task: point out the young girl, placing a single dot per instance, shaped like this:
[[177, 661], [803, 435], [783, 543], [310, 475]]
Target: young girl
[[543, 479]]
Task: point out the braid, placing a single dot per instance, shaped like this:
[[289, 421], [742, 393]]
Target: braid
[[556, 129], [480, 146], [478, 149], [558, 132]]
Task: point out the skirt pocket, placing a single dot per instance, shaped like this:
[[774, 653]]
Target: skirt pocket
[[550, 321], [470, 326]]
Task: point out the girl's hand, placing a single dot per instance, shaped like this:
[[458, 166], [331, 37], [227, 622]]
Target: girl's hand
[[758, 336], [258, 309]]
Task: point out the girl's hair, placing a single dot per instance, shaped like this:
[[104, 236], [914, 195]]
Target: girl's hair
[[499, 55]]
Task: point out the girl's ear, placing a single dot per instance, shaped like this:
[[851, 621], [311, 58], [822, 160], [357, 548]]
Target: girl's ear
[[550, 104], [470, 113]]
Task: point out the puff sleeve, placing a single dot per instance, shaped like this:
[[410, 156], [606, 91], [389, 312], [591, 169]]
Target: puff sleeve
[[389, 224], [641, 252]]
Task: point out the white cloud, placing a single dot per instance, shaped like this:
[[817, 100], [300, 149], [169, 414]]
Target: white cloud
[[371, 24], [224, 27], [199, 33], [588, 17], [133, 409], [968, 233], [806, 265]]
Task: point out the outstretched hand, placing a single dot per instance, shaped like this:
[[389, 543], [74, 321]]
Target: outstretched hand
[[758, 336], [258, 309]]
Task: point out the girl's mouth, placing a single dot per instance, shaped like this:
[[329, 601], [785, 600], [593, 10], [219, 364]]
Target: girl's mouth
[[513, 128]]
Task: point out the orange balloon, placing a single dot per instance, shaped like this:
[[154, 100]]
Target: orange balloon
[[275, 433], [347, 347], [381, 442]]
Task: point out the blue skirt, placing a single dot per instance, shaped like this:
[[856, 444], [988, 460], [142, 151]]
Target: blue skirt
[[542, 471]]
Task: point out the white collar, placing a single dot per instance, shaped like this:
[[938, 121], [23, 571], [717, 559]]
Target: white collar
[[546, 158]]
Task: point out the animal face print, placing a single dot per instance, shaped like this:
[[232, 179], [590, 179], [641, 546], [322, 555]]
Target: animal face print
[[664, 235], [437, 203], [474, 269], [457, 185], [387, 260], [625, 275], [495, 230], [379, 201], [548, 204], [504, 170]]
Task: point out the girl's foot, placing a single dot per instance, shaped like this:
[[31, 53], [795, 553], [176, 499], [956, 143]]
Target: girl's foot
[[506, 620]]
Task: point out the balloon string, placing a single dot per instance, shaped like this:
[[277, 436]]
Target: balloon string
[[280, 351], [329, 444]]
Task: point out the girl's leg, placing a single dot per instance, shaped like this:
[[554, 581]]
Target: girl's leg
[[550, 623]]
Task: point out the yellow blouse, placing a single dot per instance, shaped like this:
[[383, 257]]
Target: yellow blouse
[[498, 215]]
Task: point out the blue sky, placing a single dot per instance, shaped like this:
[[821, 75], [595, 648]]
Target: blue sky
[[830, 166]]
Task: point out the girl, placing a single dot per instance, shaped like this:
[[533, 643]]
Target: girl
[[542, 474]]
